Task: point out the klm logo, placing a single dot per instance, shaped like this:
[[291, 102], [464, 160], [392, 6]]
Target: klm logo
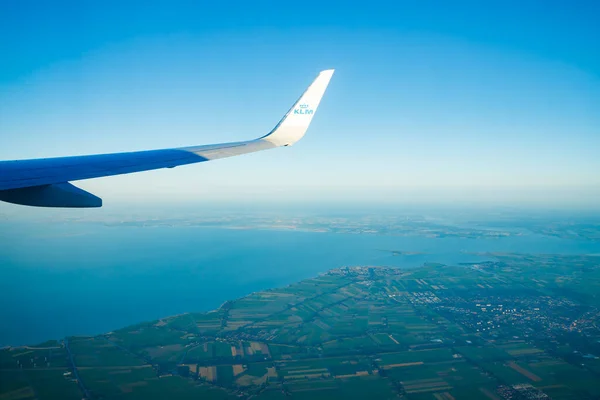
[[303, 110]]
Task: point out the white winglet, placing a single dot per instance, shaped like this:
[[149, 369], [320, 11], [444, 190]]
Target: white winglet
[[294, 124]]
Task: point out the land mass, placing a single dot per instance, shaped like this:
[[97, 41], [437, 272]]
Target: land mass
[[476, 225], [516, 327]]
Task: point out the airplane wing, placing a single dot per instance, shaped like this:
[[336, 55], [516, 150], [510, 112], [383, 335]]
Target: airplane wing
[[46, 182]]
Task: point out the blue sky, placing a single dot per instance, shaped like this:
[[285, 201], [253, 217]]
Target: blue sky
[[431, 101]]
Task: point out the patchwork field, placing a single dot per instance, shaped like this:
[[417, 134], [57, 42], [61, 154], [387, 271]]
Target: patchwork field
[[436, 333]]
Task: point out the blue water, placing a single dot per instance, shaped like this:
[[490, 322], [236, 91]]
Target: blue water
[[73, 278]]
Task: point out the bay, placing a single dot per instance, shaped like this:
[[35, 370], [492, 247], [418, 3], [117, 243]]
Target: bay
[[60, 279]]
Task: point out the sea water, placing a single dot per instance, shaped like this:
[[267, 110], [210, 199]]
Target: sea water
[[60, 279]]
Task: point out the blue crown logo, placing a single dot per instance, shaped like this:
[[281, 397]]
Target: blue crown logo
[[303, 105]]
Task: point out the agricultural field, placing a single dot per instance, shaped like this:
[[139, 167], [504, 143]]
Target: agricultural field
[[494, 331]]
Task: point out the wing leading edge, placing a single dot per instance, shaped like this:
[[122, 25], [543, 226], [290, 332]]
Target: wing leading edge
[[45, 182]]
